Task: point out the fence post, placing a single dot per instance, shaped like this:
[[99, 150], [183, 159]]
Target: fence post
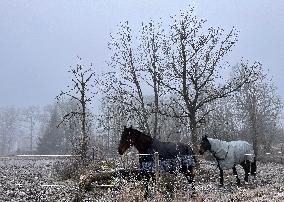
[[156, 160]]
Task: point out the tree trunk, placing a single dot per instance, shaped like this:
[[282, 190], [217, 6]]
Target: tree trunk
[[156, 97], [83, 121], [254, 125], [193, 130]]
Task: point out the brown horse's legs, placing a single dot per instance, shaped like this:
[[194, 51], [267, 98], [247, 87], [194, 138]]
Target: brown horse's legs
[[147, 176], [189, 173], [146, 194]]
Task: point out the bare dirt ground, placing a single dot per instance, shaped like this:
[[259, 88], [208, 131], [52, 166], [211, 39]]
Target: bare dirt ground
[[34, 180]]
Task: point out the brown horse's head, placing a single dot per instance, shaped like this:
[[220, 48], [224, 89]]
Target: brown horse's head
[[126, 140]]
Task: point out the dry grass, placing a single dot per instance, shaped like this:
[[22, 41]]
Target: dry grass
[[22, 180], [267, 186]]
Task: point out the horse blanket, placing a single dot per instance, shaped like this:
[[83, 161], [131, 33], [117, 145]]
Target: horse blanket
[[171, 156], [231, 153]]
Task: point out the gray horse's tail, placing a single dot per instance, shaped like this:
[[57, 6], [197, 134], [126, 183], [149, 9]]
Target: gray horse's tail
[[253, 167]]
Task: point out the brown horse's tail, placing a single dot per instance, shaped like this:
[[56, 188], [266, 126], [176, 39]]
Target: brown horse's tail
[[253, 167], [191, 152], [195, 159]]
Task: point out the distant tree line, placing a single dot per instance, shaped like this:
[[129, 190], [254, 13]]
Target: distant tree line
[[34, 130]]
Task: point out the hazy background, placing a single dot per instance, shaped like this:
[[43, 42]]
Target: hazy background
[[39, 40]]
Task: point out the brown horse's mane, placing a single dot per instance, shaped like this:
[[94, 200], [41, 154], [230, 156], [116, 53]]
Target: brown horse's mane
[[141, 133], [143, 141]]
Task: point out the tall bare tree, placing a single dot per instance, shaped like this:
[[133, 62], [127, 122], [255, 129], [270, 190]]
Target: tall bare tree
[[184, 66], [83, 80], [125, 63], [138, 66], [151, 48], [195, 60]]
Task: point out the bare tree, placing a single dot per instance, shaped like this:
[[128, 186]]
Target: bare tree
[[261, 108], [138, 66], [195, 60], [125, 64], [151, 48], [184, 66], [83, 80]]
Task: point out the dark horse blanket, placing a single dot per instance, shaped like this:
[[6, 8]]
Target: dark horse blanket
[[171, 156]]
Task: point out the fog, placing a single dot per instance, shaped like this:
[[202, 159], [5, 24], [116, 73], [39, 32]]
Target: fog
[[39, 40]]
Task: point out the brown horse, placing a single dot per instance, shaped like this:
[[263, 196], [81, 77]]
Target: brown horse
[[174, 157]]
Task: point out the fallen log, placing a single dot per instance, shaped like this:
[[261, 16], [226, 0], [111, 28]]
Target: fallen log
[[167, 180], [105, 176]]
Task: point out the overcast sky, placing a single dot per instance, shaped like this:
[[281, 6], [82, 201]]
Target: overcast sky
[[40, 39]]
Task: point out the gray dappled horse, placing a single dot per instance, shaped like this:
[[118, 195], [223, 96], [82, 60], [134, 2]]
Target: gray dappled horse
[[173, 156], [229, 154]]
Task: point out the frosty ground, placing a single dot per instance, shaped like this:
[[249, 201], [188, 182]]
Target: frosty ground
[[35, 180]]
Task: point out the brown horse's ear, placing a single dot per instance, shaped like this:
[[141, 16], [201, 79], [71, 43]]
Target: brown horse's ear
[[124, 127], [131, 127]]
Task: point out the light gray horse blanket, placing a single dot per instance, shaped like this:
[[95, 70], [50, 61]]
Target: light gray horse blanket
[[231, 153]]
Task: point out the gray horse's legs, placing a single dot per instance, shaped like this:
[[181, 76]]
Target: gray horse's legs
[[247, 167], [236, 174], [221, 176]]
